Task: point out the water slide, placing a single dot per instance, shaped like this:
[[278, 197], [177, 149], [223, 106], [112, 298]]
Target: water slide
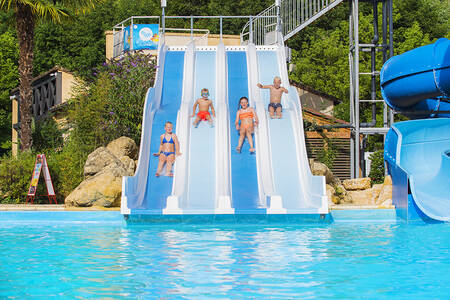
[[209, 176], [417, 152]]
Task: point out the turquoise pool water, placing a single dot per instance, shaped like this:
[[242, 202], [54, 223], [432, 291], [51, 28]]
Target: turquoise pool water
[[113, 260]]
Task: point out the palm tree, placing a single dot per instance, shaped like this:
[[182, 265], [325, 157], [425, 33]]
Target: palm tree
[[27, 12]]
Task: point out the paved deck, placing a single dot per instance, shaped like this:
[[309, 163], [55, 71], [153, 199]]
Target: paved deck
[[51, 207]]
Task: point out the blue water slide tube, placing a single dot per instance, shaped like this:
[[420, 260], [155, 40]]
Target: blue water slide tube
[[139, 194], [417, 83], [417, 154]]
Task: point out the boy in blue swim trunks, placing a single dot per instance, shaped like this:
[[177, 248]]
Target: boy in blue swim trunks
[[168, 150], [276, 91]]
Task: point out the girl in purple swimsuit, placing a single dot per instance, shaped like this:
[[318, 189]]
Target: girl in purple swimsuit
[[168, 150]]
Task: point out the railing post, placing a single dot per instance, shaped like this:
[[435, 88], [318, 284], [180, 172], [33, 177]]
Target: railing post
[[278, 28], [163, 21], [192, 28], [131, 34], [221, 29], [250, 38]]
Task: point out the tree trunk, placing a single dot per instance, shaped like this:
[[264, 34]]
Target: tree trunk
[[25, 34]]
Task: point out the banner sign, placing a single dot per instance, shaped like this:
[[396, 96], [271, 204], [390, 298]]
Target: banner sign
[[145, 36], [41, 165]]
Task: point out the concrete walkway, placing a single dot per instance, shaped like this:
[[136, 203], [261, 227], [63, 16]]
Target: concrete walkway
[[50, 207]]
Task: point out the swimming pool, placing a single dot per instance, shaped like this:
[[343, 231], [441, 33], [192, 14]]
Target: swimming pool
[[84, 258]]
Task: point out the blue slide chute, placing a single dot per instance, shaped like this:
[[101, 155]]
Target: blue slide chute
[[245, 193], [417, 152]]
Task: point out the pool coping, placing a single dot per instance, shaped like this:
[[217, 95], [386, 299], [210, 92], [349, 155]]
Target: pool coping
[[386, 215]]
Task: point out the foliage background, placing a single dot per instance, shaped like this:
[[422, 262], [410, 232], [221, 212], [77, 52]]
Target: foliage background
[[320, 55]]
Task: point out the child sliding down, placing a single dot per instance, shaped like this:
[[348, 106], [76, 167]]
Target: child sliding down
[[245, 115], [276, 91], [203, 104], [168, 149]]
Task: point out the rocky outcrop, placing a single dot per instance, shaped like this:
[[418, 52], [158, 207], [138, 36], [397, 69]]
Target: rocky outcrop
[[357, 191], [103, 172], [357, 184], [129, 164], [98, 160], [320, 169], [123, 146], [104, 189], [385, 197]]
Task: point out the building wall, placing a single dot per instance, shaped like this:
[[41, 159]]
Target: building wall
[[316, 102], [62, 81]]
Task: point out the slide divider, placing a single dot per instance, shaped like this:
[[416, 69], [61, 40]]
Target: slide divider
[[267, 194], [223, 159], [313, 187], [175, 200]]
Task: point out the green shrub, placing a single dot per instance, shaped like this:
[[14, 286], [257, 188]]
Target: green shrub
[[15, 176], [46, 135], [377, 167], [112, 105]]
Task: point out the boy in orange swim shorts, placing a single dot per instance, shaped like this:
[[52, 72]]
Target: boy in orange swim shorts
[[203, 104]]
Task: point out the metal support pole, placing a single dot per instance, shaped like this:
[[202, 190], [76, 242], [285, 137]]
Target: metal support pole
[[352, 107], [278, 28], [356, 85], [391, 47], [251, 30], [192, 28], [163, 25], [221, 29], [131, 34]]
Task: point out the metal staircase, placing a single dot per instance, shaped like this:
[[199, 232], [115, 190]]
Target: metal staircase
[[285, 18], [290, 16]]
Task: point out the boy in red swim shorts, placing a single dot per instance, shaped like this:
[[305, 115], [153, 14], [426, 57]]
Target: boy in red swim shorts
[[203, 104]]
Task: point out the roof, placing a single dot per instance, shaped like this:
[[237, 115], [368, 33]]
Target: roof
[[314, 91], [43, 75], [328, 118]]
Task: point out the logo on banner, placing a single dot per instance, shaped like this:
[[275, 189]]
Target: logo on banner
[[145, 36]]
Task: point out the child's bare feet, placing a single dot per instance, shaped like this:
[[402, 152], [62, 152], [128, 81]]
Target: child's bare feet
[[157, 174], [252, 150], [238, 149], [170, 174]]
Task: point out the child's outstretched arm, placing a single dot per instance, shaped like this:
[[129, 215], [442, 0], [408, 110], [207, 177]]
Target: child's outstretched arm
[[194, 109], [160, 147], [285, 90], [177, 145], [212, 110], [237, 120], [263, 86]]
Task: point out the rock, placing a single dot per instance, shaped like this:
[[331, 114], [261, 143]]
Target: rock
[[129, 164], [342, 195], [387, 180], [361, 197], [357, 184], [386, 204], [366, 197], [386, 192], [330, 194], [320, 169], [98, 160], [376, 190], [104, 189], [123, 146]]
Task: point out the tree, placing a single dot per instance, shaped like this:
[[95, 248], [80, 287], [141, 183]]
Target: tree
[[26, 13], [9, 53]]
